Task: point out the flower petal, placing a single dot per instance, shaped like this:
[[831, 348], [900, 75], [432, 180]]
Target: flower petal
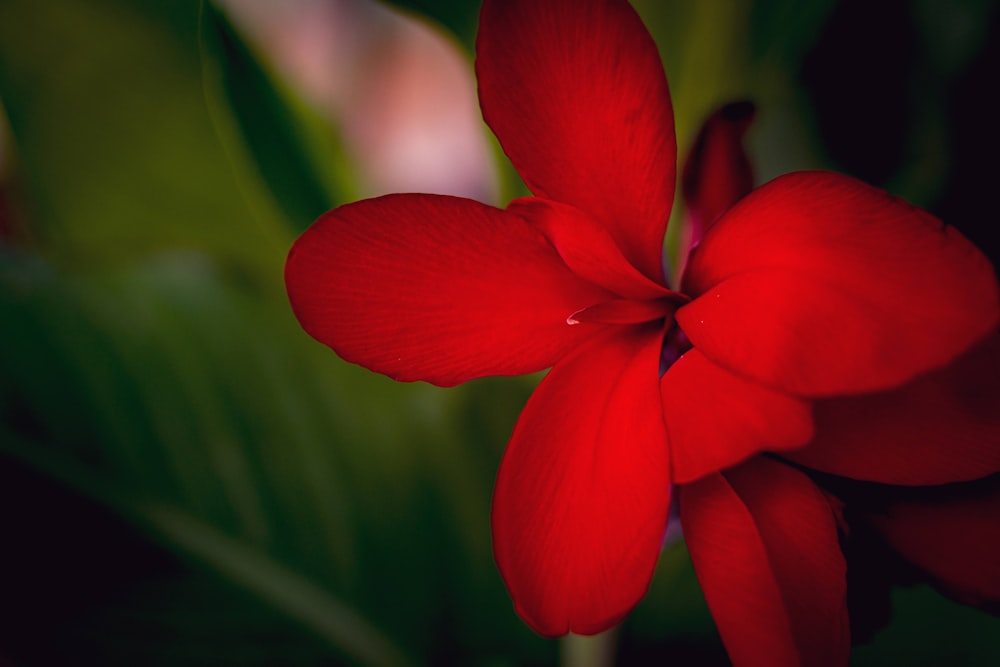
[[717, 173], [588, 248], [435, 288], [951, 533], [716, 419], [581, 500], [820, 285], [764, 544], [942, 427], [575, 92]]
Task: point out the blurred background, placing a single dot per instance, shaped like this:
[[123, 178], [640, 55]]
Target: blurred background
[[186, 478]]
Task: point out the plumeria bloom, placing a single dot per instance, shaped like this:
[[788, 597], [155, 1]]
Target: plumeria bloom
[[813, 286]]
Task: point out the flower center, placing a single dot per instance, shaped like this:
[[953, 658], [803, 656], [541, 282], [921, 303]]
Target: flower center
[[675, 344], [636, 311]]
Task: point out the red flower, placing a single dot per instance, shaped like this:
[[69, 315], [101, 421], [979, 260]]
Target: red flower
[[765, 540], [771, 548], [814, 285]]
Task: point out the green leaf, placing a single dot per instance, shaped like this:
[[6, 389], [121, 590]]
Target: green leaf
[[118, 154], [282, 136], [184, 389], [299, 598], [148, 342], [460, 17]]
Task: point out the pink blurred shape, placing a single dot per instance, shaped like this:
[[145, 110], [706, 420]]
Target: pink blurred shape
[[401, 94]]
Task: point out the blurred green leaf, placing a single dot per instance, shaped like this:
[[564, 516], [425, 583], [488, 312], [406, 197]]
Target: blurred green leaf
[[364, 489], [282, 137], [151, 347], [298, 597], [459, 17], [120, 159], [674, 607], [929, 630]]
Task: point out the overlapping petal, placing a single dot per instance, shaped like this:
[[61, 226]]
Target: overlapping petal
[[575, 92], [764, 544], [581, 500], [587, 248], [436, 288], [942, 427], [716, 419], [819, 285], [951, 533], [717, 173]]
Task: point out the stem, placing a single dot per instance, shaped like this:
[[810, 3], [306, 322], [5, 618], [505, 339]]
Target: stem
[[594, 651]]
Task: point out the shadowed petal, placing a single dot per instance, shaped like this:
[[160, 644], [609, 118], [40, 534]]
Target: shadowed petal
[[580, 505], [942, 427], [951, 533], [588, 248], [819, 285], [575, 92], [435, 288], [716, 419], [763, 541], [717, 173]]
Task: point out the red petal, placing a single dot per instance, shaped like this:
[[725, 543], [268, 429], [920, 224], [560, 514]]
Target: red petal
[[952, 533], [820, 285], [717, 173], [580, 506], [575, 92], [716, 419], [764, 544], [587, 248], [622, 311], [435, 288], [942, 427]]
